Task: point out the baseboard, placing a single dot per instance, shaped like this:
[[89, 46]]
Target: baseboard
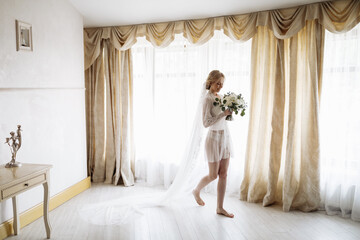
[[30, 215]]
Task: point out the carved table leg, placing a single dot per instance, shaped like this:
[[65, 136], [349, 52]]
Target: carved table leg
[[16, 223], [46, 209]]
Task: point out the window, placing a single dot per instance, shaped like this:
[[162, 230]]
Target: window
[[167, 84]]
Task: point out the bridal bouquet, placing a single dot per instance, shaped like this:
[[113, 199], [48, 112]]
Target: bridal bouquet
[[232, 101]]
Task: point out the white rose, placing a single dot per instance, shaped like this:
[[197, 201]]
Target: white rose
[[229, 101]]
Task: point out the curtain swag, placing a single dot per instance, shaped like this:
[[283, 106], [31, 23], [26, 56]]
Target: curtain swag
[[335, 16]]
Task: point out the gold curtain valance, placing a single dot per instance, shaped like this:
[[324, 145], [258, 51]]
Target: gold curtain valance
[[336, 16]]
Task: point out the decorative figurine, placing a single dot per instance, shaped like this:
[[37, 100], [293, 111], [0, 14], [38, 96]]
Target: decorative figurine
[[14, 142]]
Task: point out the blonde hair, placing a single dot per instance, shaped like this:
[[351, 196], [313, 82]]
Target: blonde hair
[[214, 75]]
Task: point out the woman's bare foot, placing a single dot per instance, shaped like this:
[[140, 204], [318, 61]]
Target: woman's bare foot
[[222, 211], [198, 198]]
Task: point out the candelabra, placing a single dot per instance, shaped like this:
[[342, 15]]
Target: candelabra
[[14, 142]]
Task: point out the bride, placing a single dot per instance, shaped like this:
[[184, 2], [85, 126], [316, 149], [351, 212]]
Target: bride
[[217, 143], [217, 150]]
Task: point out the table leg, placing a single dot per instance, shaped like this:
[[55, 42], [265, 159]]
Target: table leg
[[46, 209], [16, 222]]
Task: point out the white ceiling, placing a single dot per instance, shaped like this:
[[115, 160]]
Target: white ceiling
[[100, 13]]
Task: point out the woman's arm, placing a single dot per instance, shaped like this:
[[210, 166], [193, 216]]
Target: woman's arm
[[208, 119]]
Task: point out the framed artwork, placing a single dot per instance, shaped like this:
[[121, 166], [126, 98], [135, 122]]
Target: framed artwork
[[23, 36]]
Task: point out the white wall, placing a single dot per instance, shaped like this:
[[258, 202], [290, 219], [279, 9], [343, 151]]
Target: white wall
[[43, 90]]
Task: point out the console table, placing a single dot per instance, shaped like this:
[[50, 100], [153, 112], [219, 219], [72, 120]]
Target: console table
[[14, 181]]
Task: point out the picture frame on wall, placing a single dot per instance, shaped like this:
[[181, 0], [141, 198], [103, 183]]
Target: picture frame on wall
[[23, 36]]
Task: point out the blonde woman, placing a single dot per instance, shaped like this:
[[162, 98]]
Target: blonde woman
[[217, 153], [217, 144]]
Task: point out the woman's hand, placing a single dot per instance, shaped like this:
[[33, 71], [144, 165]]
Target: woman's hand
[[227, 112]]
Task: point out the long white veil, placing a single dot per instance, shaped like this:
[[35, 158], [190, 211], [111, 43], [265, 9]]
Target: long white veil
[[191, 169]]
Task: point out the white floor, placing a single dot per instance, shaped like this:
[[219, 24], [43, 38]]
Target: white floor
[[189, 221]]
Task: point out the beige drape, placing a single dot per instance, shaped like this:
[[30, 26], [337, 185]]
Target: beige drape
[[109, 116], [283, 148], [95, 126], [335, 16], [284, 117]]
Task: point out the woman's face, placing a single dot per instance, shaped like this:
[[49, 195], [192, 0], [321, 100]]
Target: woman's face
[[217, 85]]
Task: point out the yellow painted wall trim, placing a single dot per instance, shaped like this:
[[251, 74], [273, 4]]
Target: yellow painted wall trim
[[30, 215]]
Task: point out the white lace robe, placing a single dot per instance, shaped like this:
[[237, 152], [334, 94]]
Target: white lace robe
[[218, 144]]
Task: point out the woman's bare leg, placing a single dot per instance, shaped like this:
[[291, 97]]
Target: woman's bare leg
[[213, 172], [221, 188]]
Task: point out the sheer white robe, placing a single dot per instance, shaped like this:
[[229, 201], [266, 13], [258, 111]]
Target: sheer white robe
[[218, 144]]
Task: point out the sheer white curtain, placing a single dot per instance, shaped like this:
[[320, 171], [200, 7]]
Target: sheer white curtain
[[167, 84], [340, 124]]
